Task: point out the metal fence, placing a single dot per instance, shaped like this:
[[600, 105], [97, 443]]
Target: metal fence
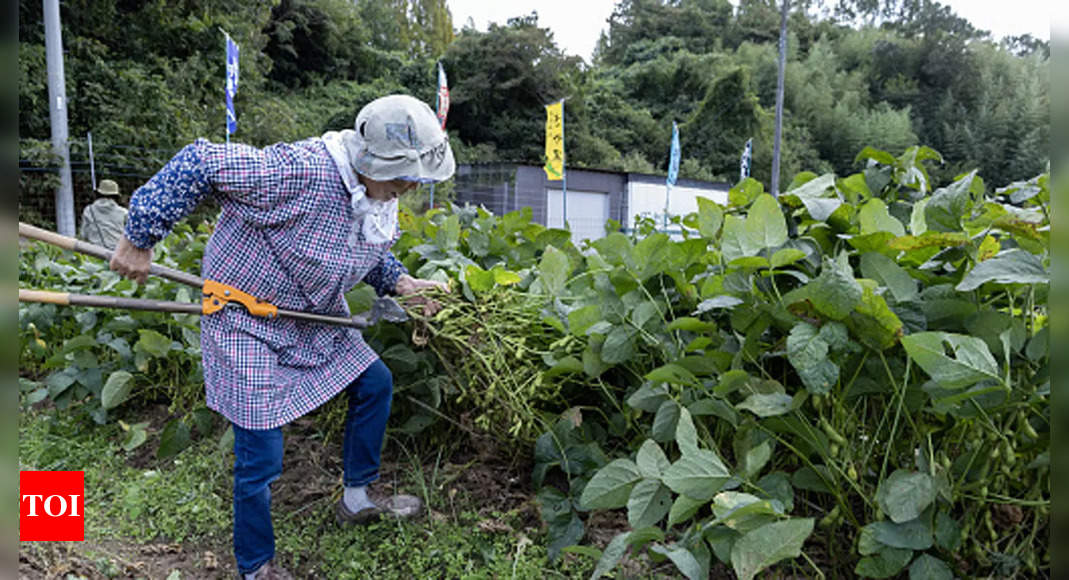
[[91, 161]]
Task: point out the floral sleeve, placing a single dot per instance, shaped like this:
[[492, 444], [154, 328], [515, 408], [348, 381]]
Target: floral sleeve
[[169, 196], [383, 277]]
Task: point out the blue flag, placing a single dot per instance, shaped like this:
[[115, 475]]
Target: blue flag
[[746, 160], [231, 85], [673, 160]]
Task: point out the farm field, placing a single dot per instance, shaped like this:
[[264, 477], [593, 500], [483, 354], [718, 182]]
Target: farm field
[[849, 380]]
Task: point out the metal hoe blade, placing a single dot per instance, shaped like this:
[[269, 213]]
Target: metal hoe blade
[[384, 308]]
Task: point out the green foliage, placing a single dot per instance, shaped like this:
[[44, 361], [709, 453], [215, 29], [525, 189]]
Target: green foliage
[[96, 361]]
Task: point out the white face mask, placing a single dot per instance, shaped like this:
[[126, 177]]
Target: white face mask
[[377, 219]]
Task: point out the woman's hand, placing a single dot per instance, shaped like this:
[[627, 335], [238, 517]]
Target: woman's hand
[[416, 287], [131, 261]]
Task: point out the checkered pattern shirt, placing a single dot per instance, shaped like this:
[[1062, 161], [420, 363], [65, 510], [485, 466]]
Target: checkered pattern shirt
[[284, 236]]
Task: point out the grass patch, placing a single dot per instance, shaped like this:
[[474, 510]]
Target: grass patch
[[147, 517]]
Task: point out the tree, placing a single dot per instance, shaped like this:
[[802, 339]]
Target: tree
[[501, 79]]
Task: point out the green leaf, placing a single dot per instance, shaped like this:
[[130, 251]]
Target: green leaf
[[478, 279], [949, 204], [765, 222], [619, 344], [929, 240], [927, 567], [874, 217], [882, 157], [905, 494], [821, 208], [710, 217], [913, 534], [135, 436], [685, 562], [768, 544], [174, 439], [699, 474], [672, 373], [886, 563], [777, 485], [744, 512], [612, 555], [786, 256], [1011, 267], [554, 268], [835, 292], [807, 351], [814, 188], [767, 404], [116, 390], [691, 324], [360, 298], [654, 254], [722, 301], [947, 532], [581, 319], [736, 241], [813, 478], [683, 509], [648, 397], [505, 277], [686, 434], [665, 421], [80, 342], [917, 223], [890, 275], [152, 342], [611, 485], [651, 461], [744, 192], [873, 321], [970, 362], [649, 502]]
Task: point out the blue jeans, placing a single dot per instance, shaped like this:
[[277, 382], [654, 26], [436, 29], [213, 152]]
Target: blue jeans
[[258, 462]]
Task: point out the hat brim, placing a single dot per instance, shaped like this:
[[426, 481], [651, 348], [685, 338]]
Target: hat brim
[[432, 166]]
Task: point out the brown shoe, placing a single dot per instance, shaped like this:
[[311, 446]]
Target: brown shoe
[[400, 506], [270, 571]]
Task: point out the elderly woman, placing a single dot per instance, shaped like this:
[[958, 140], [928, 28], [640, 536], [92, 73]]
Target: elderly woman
[[301, 224]]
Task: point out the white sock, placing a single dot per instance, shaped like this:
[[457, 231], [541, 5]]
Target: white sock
[[356, 499]]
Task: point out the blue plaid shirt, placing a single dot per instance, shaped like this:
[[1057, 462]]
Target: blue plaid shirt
[[283, 236]]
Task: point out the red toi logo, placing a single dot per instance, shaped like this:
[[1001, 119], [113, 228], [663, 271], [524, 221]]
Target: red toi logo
[[51, 506]]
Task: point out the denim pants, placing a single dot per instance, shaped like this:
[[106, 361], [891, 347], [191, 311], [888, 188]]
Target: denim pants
[[258, 462]]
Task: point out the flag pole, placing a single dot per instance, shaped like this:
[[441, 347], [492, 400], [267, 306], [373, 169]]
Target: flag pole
[[563, 167], [438, 113], [226, 89]]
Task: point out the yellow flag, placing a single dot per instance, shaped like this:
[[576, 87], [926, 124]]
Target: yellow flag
[[555, 141]]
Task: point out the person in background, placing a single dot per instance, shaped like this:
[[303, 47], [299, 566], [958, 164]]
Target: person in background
[[103, 220], [301, 224]]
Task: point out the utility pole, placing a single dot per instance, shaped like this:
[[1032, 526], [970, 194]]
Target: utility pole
[[57, 108], [779, 96]]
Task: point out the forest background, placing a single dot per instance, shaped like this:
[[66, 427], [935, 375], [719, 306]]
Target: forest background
[[145, 78]]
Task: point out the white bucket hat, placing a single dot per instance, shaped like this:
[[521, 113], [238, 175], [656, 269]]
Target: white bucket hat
[[399, 137]]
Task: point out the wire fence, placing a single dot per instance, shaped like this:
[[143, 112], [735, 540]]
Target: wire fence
[[90, 162]]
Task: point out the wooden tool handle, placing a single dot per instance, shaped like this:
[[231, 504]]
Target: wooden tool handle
[[61, 298], [36, 233]]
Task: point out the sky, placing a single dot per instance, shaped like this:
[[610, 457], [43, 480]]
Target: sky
[[576, 24]]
